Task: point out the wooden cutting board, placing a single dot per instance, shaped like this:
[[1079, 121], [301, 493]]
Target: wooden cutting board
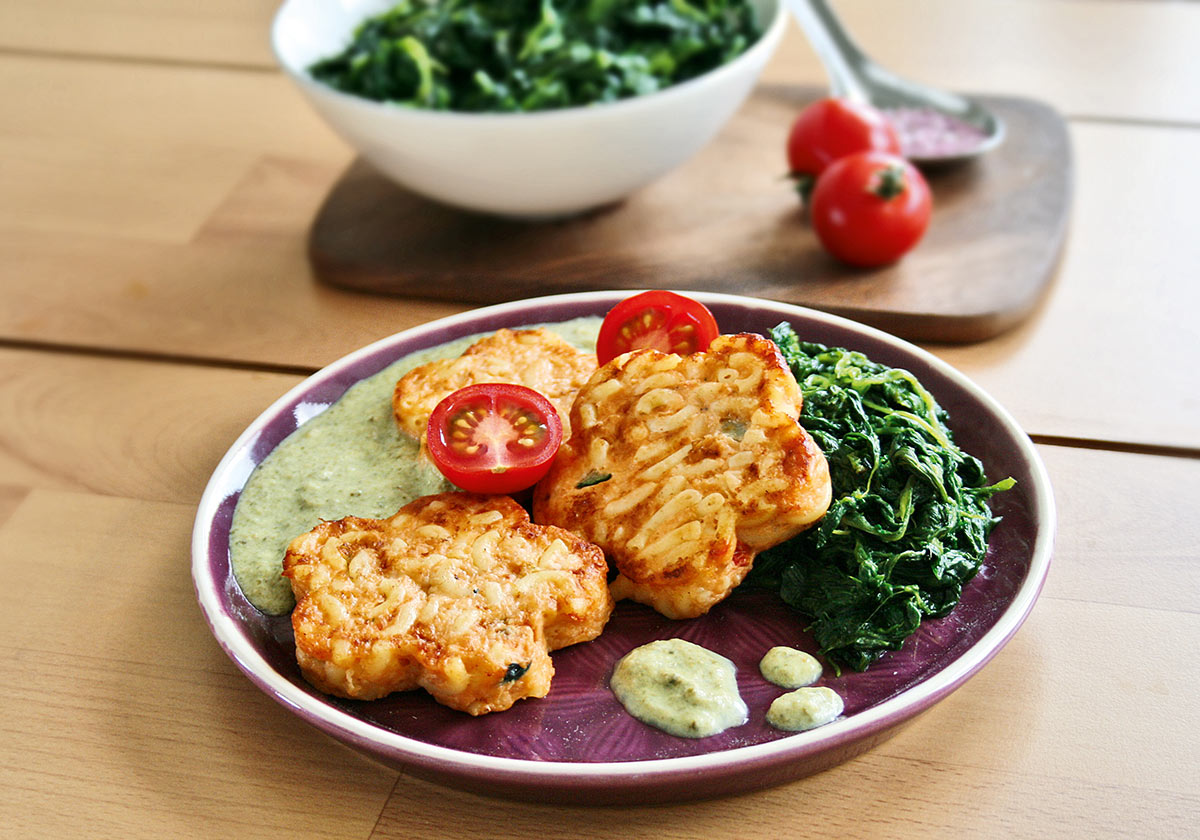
[[728, 221]]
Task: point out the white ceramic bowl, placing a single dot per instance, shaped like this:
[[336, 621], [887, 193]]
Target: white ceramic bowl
[[545, 163]]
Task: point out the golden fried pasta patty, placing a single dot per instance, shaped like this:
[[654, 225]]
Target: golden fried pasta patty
[[535, 358], [458, 594], [683, 468]]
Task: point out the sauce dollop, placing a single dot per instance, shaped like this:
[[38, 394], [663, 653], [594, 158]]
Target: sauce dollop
[[805, 708], [680, 688], [789, 667]]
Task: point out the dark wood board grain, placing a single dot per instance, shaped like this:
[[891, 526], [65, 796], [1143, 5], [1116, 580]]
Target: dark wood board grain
[[728, 221]]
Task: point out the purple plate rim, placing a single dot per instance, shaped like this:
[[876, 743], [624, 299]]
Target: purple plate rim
[[529, 773]]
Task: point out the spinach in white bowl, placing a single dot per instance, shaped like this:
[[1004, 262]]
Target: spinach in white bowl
[[532, 55]]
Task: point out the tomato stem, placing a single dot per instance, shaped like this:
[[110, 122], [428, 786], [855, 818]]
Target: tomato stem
[[889, 182], [803, 183]]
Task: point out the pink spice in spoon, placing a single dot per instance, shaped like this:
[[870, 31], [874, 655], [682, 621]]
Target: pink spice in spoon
[[926, 133]]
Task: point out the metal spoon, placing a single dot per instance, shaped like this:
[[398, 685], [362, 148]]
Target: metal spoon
[[853, 75]]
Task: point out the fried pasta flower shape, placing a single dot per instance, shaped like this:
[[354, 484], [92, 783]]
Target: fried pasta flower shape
[[683, 468], [535, 358], [458, 594]]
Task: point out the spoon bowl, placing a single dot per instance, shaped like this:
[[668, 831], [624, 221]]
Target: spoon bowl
[[935, 126]]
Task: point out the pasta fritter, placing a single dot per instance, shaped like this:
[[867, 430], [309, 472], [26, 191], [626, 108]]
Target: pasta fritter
[[683, 468], [458, 594]]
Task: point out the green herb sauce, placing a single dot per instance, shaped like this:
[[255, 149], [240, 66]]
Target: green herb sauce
[[679, 687], [532, 55], [789, 667], [349, 460], [805, 708]]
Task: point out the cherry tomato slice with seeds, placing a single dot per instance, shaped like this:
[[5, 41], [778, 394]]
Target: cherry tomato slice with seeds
[[494, 437], [658, 320]]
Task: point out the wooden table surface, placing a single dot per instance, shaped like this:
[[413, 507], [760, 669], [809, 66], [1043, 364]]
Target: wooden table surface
[[157, 178]]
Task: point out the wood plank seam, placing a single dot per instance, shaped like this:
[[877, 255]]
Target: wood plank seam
[[1115, 446], [154, 357], [148, 61]]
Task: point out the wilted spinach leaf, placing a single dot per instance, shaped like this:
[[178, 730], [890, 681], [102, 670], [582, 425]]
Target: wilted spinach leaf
[[909, 521], [530, 55]]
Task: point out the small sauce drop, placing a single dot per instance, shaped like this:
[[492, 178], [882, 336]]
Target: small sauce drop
[[789, 667], [680, 688], [927, 133], [805, 708]]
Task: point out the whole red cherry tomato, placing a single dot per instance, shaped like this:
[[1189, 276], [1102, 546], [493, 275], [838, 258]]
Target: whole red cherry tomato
[[493, 437], [658, 320], [829, 129], [870, 208]]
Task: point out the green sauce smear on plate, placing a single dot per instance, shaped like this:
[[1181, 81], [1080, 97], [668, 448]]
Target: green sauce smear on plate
[[349, 460]]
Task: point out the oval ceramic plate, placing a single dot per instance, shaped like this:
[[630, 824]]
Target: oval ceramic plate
[[578, 744]]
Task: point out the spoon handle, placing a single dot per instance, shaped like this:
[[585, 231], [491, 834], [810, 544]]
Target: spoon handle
[[842, 58]]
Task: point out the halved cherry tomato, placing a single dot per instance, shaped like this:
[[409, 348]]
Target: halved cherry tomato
[[494, 437], [870, 208], [656, 320], [829, 129]]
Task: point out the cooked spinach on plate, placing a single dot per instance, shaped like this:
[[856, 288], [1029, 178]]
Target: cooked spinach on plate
[[909, 521], [532, 55]]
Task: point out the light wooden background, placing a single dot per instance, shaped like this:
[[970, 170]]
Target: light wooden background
[[157, 176]]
